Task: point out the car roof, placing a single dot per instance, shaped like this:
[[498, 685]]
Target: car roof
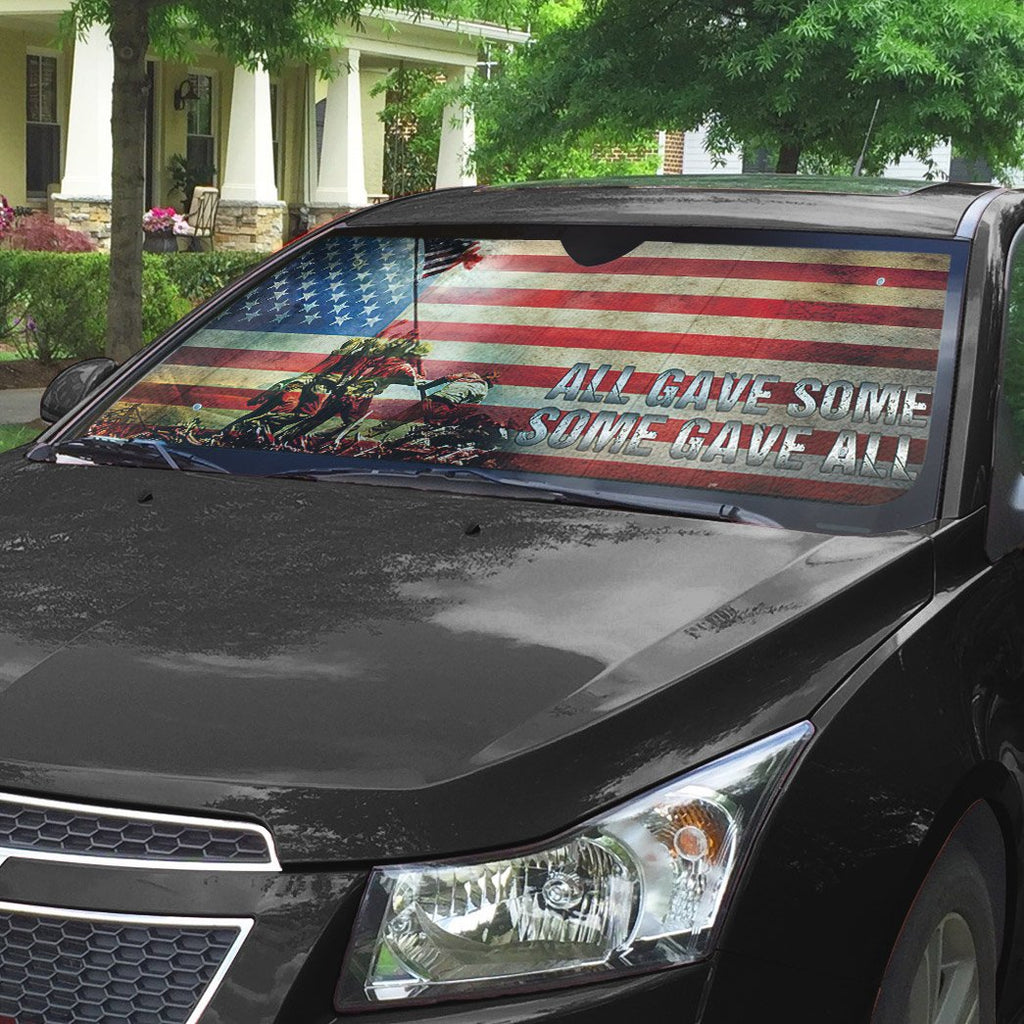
[[877, 206]]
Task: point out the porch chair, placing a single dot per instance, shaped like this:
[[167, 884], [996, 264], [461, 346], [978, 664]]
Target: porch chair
[[202, 215]]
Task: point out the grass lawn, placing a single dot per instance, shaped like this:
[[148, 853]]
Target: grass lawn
[[13, 434]]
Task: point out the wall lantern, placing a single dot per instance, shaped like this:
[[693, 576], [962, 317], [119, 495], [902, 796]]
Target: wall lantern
[[185, 93]]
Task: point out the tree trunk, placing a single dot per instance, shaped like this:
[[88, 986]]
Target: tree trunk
[[129, 34], [789, 158]]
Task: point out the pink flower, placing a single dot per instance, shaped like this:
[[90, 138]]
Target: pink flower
[[161, 220], [6, 215]]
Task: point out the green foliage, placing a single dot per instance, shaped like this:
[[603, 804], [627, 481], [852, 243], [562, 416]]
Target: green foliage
[[53, 311], [412, 116], [499, 12], [185, 176], [13, 285], [54, 305], [500, 159], [801, 76], [162, 303], [198, 275], [270, 33], [504, 154], [14, 436], [549, 15]]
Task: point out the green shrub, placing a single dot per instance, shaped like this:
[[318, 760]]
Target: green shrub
[[54, 305], [49, 301], [15, 435], [162, 302], [198, 275], [13, 277]]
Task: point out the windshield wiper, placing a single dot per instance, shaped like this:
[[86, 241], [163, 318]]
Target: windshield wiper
[[554, 492], [141, 452]]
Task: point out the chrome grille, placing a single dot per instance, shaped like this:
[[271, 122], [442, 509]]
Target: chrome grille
[[35, 828], [76, 967]]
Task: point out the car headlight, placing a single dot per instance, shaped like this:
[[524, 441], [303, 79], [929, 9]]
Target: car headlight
[[634, 889]]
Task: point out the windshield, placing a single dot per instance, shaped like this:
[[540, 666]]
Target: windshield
[[800, 373]]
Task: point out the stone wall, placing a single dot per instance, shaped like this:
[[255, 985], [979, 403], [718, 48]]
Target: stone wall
[[249, 227], [242, 227], [313, 215], [302, 218], [322, 214], [90, 216]]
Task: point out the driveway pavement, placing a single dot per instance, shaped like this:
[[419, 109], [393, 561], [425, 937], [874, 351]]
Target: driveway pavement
[[19, 405]]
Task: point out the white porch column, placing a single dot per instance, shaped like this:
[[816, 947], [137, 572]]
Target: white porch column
[[342, 178], [310, 170], [457, 138], [89, 153], [249, 167]]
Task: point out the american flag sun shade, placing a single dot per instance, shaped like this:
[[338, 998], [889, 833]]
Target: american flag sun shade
[[793, 371]]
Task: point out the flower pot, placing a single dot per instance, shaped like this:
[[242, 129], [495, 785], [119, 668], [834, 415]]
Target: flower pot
[[160, 241]]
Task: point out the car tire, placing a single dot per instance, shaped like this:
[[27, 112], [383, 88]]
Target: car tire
[[942, 969]]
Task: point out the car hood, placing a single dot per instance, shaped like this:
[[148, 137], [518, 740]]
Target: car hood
[[377, 671]]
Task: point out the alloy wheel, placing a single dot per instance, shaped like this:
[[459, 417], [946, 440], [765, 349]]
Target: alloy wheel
[[945, 987]]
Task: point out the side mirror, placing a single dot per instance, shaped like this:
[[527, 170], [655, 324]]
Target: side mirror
[[70, 386]]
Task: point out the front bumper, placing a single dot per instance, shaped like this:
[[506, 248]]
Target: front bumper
[[294, 915], [286, 969]]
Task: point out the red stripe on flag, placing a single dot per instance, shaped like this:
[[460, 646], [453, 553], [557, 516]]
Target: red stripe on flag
[[738, 269], [691, 305], [686, 345], [245, 358], [189, 395], [624, 342]]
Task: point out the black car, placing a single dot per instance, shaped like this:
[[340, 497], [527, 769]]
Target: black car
[[570, 602]]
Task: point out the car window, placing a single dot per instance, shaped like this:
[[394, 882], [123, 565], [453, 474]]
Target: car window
[[789, 371], [1013, 346]]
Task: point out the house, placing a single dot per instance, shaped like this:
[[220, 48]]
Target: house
[[256, 137]]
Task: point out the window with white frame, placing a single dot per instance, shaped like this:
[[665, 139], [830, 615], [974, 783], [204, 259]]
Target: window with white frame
[[201, 141], [42, 124]]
